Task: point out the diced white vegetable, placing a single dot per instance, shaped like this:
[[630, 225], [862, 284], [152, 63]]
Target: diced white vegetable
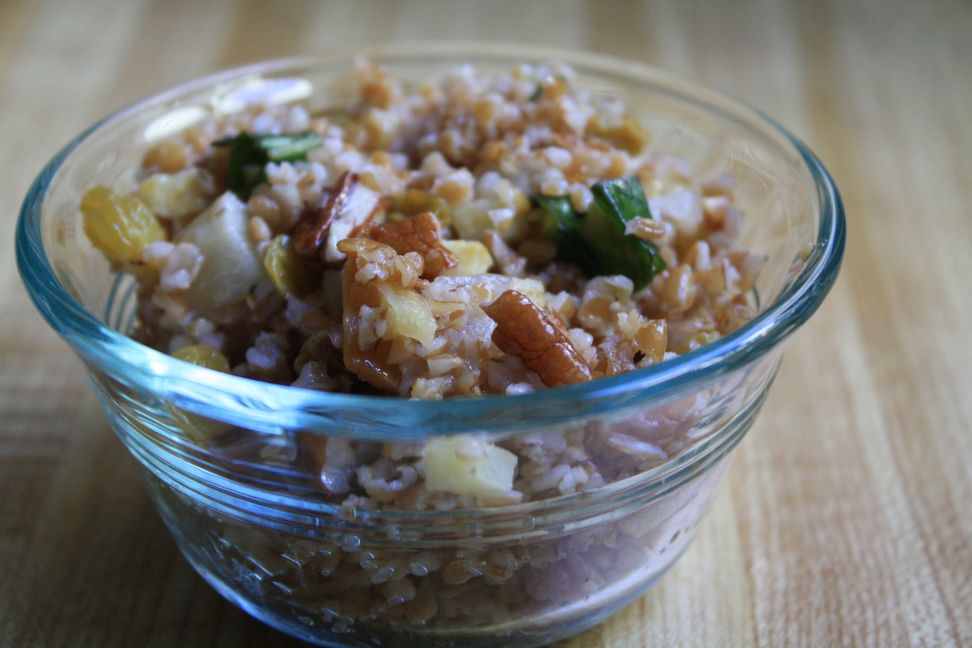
[[176, 195], [465, 465], [682, 208], [231, 264], [358, 208], [471, 219], [474, 257], [408, 313]]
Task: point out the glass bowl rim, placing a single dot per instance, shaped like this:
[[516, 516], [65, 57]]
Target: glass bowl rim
[[255, 404]]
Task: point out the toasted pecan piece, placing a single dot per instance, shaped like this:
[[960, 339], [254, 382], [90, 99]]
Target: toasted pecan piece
[[311, 232], [417, 234], [525, 331]]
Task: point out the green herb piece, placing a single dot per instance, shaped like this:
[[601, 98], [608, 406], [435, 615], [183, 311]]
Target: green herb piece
[[603, 231], [249, 154], [289, 148], [596, 240], [561, 222], [536, 94]]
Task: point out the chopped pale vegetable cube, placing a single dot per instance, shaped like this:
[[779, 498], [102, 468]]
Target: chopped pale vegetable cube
[[408, 313], [231, 264], [682, 208], [474, 257], [465, 465], [471, 219]]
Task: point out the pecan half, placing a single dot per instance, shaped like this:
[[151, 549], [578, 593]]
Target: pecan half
[[525, 331], [311, 232], [417, 234]]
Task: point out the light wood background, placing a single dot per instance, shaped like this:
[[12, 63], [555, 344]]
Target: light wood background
[[847, 516]]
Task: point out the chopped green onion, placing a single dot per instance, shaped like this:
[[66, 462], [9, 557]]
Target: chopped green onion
[[603, 230], [289, 148], [561, 223], [249, 154], [596, 240]]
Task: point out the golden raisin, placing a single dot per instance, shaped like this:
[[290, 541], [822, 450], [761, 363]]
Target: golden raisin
[[120, 226], [203, 355], [288, 271]]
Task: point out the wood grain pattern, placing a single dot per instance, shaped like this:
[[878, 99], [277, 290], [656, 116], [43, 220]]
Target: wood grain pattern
[[845, 519]]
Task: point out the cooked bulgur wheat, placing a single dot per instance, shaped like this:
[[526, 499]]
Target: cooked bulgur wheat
[[435, 241]]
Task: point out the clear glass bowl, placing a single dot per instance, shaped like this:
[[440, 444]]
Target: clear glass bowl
[[226, 458]]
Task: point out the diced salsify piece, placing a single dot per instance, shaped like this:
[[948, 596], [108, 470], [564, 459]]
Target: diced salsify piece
[[466, 465], [287, 270], [203, 355], [231, 264], [471, 219], [409, 313], [474, 257], [118, 225]]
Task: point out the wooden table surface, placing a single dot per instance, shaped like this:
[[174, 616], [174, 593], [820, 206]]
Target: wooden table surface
[[847, 516]]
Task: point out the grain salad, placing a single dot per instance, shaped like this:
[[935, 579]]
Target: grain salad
[[467, 236]]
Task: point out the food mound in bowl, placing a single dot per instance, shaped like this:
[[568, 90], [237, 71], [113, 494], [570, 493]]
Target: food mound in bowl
[[468, 236], [476, 236]]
